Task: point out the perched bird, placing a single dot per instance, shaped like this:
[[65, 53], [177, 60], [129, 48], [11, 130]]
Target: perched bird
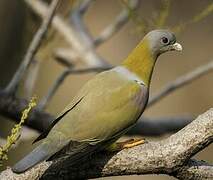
[[105, 108]]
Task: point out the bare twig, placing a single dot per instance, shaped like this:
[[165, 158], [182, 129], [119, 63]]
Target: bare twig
[[83, 35], [164, 13], [198, 17], [66, 55], [43, 103], [30, 80], [84, 6], [73, 37], [169, 156], [33, 48], [181, 81], [117, 24], [64, 62]]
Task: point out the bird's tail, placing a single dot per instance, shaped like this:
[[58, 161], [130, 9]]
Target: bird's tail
[[38, 155]]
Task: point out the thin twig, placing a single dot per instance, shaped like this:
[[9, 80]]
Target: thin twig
[[84, 6], [43, 103], [73, 37], [33, 48], [83, 35], [181, 81], [29, 82], [198, 17], [164, 13], [67, 55], [118, 23]]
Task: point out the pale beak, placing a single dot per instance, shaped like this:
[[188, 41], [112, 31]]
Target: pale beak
[[176, 47]]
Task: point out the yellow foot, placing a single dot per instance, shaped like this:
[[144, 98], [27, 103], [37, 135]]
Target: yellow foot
[[118, 146], [131, 143]]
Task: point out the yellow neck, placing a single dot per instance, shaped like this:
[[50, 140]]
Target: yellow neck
[[141, 62]]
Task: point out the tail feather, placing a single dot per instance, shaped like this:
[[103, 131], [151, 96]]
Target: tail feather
[[74, 151], [38, 155]]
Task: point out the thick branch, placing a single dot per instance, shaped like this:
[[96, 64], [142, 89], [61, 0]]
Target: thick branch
[[170, 156], [195, 170], [33, 48], [165, 156]]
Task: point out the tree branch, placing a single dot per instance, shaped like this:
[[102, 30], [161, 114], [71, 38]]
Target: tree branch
[[71, 36], [29, 82], [33, 48], [84, 6], [66, 56], [170, 156], [43, 103], [195, 170], [116, 25], [181, 81]]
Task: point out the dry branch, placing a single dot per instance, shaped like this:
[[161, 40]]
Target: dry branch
[[33, 48], [84, 6], [170, 156], [117, 24], [43, 103], [71, 36]]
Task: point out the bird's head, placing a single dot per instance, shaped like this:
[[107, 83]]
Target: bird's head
[[161, 41], [142, 59]]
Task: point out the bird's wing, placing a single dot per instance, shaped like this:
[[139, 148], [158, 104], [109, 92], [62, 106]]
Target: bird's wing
[[46, 132], [77, 99]]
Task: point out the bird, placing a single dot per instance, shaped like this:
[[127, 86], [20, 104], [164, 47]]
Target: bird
[[105, 108]]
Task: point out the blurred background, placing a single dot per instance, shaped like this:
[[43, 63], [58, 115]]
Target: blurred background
[[192, 21]]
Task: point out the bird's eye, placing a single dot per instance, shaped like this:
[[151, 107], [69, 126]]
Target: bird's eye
[[165, 40]]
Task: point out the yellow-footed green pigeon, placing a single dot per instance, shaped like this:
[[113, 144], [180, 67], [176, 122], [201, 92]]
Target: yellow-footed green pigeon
[[105, 108]]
